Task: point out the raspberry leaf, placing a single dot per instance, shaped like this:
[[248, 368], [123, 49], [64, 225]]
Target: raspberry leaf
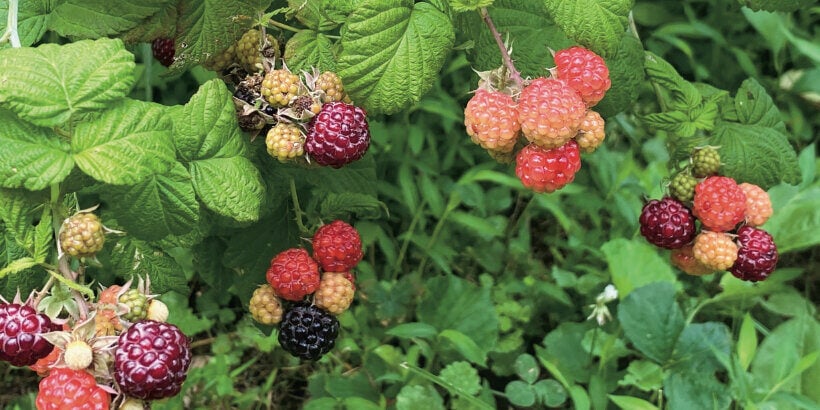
[[71, 17], [30, 157], [231, 187], [166, 274], [596, 24], [756, 154], [41, 88], [777, 5], [755, 107], [321, 15], [652, 320], [691, 380], [413, 41], [634, 263], [626, 79], [32, 20], [309, 48], [469, 5]]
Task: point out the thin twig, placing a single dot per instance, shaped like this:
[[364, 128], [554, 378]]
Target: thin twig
[[515, 75], [283, 26]]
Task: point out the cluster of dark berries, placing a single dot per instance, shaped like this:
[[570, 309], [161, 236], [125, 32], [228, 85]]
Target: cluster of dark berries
[[553, 114], [729, 214], [304, 293]]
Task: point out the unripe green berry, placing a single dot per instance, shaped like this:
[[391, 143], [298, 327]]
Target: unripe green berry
[[705, 162], [682, 186]]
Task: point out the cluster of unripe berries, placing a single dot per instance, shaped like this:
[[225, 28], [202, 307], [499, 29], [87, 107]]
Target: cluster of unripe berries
[[117, 345], [304, 292], [711, 223], [552, 113]]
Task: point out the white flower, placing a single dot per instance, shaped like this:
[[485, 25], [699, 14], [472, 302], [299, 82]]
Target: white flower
[[599, 310]]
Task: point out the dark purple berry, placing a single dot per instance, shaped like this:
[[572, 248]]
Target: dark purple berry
[[307, 331], [667, 223], [21, 329], [756, 256], [151, 360], [338, 135], [164, 50]]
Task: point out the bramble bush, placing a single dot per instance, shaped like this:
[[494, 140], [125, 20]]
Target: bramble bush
[[290, 204]]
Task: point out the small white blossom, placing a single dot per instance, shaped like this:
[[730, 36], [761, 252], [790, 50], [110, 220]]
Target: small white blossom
[[599, 310]]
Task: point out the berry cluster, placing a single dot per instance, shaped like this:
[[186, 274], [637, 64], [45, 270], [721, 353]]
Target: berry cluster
[[308, 328], [553, 114], [729, 214]]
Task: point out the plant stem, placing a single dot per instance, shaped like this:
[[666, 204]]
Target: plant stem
[[283, 26], [11, 26], [296, 208], [147, 56], [515, 75]]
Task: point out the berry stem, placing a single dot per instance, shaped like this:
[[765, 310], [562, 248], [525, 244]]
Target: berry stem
[[515, 75], [283, 26], [43, 292], [297, 209]]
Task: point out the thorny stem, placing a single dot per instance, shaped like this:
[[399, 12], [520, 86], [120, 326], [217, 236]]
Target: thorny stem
[[11, 26], [515, 75], [42, 293]]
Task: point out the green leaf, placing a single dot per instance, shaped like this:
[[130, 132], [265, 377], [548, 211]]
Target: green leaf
[[550, 392], [691, 380], [685, 95], [126, 144], [747, 342], [33, 17], [652, 320], [362, 205], [357, 177], [18, 265], [30, 157], [231, 187], [24, 281], [462, 376], [754, 106], [527, 368], [419, 397], [469, 5], [626, 79], [777, 5], [412, 42], [520, 393], [795, 225], [309, 48], [412, 330], [71, 17], [18, 210], [38, 85], [780, 355], [644, 375], [756, 154], [128, 258], [595, 24], [159, 206], [44, 236], [631, 403], [634, 263], [563, 349], [321, 15], [465, 345], [160, 24]]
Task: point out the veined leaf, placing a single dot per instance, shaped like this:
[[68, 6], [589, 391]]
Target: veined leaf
[[128, 258], [652, 320], [33, 17], [685, 96], [229, 186], [626, 78], [30, 157], [18, 209], [756, 154], [321, 15], [46, 85], [71, 17], [755, 107], [596, 24], [410, 41], [309, 48]]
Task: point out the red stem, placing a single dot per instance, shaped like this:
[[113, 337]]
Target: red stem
[[515, 75]]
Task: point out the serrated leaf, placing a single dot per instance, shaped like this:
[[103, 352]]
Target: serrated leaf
[[24, 281], [691, 380], [795, 225], [777, 5], [160, 205], [321, 15], [685, 95], [626, 78], [128, 258], [39, 86], [783, 352], [357, 177], [160, 24], [756, 154], [18, 265], [463, 376], [412, 42], [71, 17], [469, 5], [18, 209], [419, 397], [754, 106], [43, 236], [231, 187], [33, 17], [31, 157], [125, 144], [635, 263], [595, 24], [362, 205], [644, 375], [309, 48], [652, 320]]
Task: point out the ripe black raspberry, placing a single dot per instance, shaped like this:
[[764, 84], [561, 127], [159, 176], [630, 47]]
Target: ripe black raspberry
[[164, 50], [338, 136], [667, 223], [151, 360], [21, 329], [307, 331], [705, 162], [756, 256]]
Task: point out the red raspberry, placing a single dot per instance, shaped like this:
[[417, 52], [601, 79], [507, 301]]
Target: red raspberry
[[71, 389], [684, 259], [491, 119], [21, 330], [667, 223], [547, 170], [715, 250], [758, 205], [757, 255], [338, 136], [151, 360], [719, 203], [585, 71], [293, 274], [337, 247], [550, 112], [164, 50]]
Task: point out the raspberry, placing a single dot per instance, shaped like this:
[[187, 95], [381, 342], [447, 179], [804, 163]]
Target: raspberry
[[151, 360], [758, 205], [491, 119], [719, 203], [682, 186], [137, 304], [21, 334], [591, 132], [265, 306], [667, 223], [757, 255], [550, 112], [547, 170], [337, 247], [293, 274], [43, 365], [339, 135], [684, 259], [715, 250], [222, 60], [331, 86], [335, 293], [82, 235], [285, 141], [164, 50], [78, 355], [705, 162], [281, 87], [307, 331], [249, 50], [157, 311], [71, 389], [584, 71]]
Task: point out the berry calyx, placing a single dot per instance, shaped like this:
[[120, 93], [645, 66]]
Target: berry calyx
[[71, 389], [21, 334], [584, 71], [715, 250], [550, 112], [151, 360], [719, 203], [756, 256], [591, 132], [338, 135], [293, 274], [82, 235], [265, 307], [78, 355], [547, 170], [335, 293], [137, 304], [337, 246], [682, 186], [667, 223], [705, 162], [281, 87], [491, 120], [164, 50], [684, 259], [285, 141], [758, 204], [307, 331]]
